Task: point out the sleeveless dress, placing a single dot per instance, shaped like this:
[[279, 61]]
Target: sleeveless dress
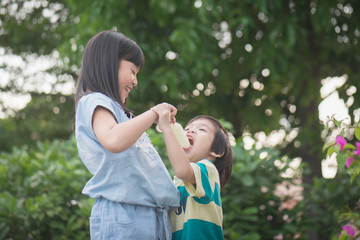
[[133, 188]]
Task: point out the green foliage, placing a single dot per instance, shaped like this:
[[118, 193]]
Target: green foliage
[[297, 42], [40, 195], [346, 152], [214, 46], [252, 210], [46, 117], [346, 155], [40, 192], [328, 199]]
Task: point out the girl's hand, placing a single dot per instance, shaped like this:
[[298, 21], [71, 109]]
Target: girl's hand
[[165, 107], [166, 114]]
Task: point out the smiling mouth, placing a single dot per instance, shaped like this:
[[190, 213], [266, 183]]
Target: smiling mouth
[[128, 89]]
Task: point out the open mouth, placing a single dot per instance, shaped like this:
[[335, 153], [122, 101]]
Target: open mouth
[[191, 141]]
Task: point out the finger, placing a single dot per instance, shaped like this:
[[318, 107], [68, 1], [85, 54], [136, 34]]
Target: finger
[[172, 107], [173, 111], [158, 128]]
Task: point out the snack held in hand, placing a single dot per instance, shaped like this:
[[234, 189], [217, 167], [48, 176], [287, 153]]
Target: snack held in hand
[[180, 135]]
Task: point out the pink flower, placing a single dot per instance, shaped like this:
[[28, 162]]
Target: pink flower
[[349, 162], [348, 229], [341, 141], [357, 152]]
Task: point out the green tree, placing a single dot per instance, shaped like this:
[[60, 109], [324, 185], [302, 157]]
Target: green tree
[[258, 64], [47, 116], [210, 47]]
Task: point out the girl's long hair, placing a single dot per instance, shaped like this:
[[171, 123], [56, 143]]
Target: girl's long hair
[[220, 145], [100, 65]]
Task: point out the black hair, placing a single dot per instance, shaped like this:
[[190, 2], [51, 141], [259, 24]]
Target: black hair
[[100, 65], [221, 146]]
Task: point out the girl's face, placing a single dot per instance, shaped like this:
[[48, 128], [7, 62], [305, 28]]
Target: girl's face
[[127, 78], [201, 134]]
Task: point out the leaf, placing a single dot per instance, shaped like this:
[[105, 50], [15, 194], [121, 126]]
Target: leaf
[[341, 160], [336, 148], [248, 180], [327, 126], [330, 151], [251, 236], [344, 236], [291, 35], [337, 123], [327, 145], [352, 178], [349, 146], [357, 133], [250, 210]]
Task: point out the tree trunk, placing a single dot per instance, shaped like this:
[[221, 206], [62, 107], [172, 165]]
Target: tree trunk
[[310, 151]]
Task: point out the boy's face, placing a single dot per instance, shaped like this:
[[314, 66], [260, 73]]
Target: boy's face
[[201, 134]]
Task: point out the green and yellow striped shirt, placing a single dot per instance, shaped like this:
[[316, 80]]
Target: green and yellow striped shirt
[[200, 213]]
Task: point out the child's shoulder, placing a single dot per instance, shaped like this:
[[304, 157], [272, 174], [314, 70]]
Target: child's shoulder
[[206, 165], [206, 162], [96, 99], [90, 101], [94, 96]]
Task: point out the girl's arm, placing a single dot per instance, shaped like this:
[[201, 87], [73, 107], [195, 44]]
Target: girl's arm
[[117, 137], [178, 159]]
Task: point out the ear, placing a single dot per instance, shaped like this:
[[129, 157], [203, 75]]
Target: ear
[[216, 155]]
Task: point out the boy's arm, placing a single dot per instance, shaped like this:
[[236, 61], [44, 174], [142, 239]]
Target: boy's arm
[[178, 159]]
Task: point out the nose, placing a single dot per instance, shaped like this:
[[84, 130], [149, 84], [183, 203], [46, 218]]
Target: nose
[[191, 130], [135, 81]]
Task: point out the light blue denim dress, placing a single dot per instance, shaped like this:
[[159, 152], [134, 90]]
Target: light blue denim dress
[[133, 188]]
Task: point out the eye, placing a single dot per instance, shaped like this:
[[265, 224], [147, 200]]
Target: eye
[[202, 130]]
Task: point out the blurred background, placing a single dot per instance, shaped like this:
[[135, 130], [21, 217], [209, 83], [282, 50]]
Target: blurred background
[[272, 71]]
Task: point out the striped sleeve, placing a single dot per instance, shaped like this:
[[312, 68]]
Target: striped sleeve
[[207, 178]]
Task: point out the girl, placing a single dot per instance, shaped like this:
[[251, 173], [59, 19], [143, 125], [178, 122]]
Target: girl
[[201, 171], [132, 186]]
